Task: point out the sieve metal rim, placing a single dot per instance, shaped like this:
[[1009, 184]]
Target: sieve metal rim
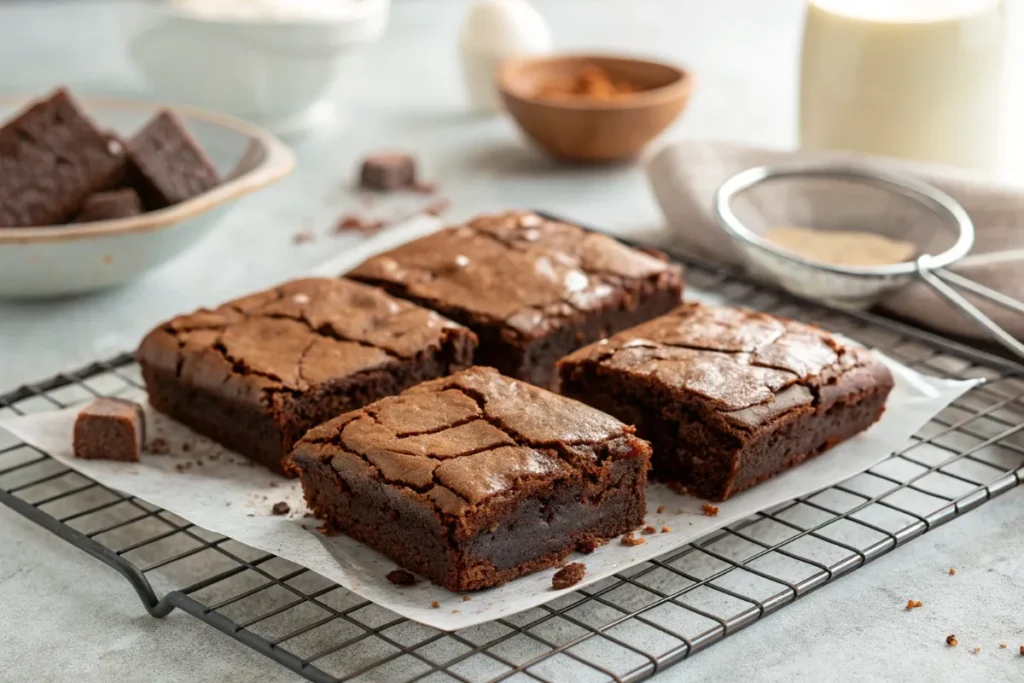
[[929, 196]]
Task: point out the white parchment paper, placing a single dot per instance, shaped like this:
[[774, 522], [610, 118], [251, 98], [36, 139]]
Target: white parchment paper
[[222, 492]]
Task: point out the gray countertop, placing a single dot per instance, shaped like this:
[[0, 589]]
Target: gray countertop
[[66, 616]]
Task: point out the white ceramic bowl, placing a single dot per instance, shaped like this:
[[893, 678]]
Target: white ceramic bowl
[[275, 72], [68, 259]]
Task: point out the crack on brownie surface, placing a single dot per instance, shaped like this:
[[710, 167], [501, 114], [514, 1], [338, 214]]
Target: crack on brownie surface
[[516, 269]]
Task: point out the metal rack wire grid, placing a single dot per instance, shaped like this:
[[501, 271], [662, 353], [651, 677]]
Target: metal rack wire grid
[[625, 628]]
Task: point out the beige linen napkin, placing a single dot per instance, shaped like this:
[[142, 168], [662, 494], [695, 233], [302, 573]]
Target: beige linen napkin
[[685, 175]]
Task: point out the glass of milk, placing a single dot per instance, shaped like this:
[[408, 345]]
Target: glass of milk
[[915, 79]]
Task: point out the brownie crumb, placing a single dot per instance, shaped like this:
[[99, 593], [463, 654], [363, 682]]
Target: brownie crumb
[[158, 446], [648, 530], [661, 509], [250, 514], [1002, 646], [186, 447], [466, 598], [455, 611], [437, 208], [303, 237], [401, 577], [590, 545], [976, 650], [569, 575], [709, 510], [273, 484], [951, 640], [281, 508], [631, 539], [435, 604], [952, 571], [665, 529], [914, 604], [350, 222]]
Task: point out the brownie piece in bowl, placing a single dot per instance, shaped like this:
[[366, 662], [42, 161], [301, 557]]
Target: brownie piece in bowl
[[532, 289], [52, 157], [729, 397], [475, 479], [257, 372], [166, 164]]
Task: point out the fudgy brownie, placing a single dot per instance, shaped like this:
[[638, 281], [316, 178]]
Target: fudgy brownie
[[51, 158], [257, 372], [532, 289], [109, 429], [475, 479], [110, 204], [166, 164], [730, 397]]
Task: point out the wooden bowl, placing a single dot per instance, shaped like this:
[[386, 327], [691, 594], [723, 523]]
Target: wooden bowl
[[586, 129]]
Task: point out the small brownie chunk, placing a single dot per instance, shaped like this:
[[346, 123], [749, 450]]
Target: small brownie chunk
[[103, 206], [568, 576], [166, 164], [257, 372], [532, 289], [730, 397], [51, 158], [388, 171], [475, 479], [109, 429]]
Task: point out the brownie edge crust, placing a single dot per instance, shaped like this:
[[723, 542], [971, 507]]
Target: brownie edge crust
[[475, 479], [730, 397]]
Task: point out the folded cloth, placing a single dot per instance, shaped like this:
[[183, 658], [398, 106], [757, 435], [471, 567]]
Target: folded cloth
[[685, 175]]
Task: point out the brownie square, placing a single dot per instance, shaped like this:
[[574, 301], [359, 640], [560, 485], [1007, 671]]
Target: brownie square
[[109, 429], [730, 397], [51, 158], [257, 372], [102, 206], [532, 289], [475, 479], [167, 166]]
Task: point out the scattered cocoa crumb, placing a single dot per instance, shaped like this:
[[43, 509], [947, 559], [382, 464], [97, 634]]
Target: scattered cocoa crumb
[[179, 467], [1002, 646], [281, 508], [951, 640], [273, 484], [661, 509], [569, 575], [665, 529], [709, 510], [648, 530], [976, 650], [437, 208], [952, 571], [199, 463], [590, 545], [466, 598], [186, 446], [350, 222], [250, 515], [303, 237], [158, 446], [435, 604], [401, 577], [455, 611], [631, 540], [913, 604]]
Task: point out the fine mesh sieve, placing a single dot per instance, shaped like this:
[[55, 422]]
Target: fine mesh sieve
[[852, 198]]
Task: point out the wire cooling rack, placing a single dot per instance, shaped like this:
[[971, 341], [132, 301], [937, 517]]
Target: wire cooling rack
[[625, 628]]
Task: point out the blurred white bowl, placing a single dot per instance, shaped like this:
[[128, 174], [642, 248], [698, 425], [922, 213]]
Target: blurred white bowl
[[277, 72], [68, 259]]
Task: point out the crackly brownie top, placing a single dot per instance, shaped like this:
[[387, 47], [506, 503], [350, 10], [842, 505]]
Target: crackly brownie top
[[515, 269], [465, 438], [746, 365], [299, 334]]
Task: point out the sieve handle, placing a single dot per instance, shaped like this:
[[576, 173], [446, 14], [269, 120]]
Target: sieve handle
[[943, 281]]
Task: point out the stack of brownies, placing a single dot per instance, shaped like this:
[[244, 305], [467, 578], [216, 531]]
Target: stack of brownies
[[415, 395]]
